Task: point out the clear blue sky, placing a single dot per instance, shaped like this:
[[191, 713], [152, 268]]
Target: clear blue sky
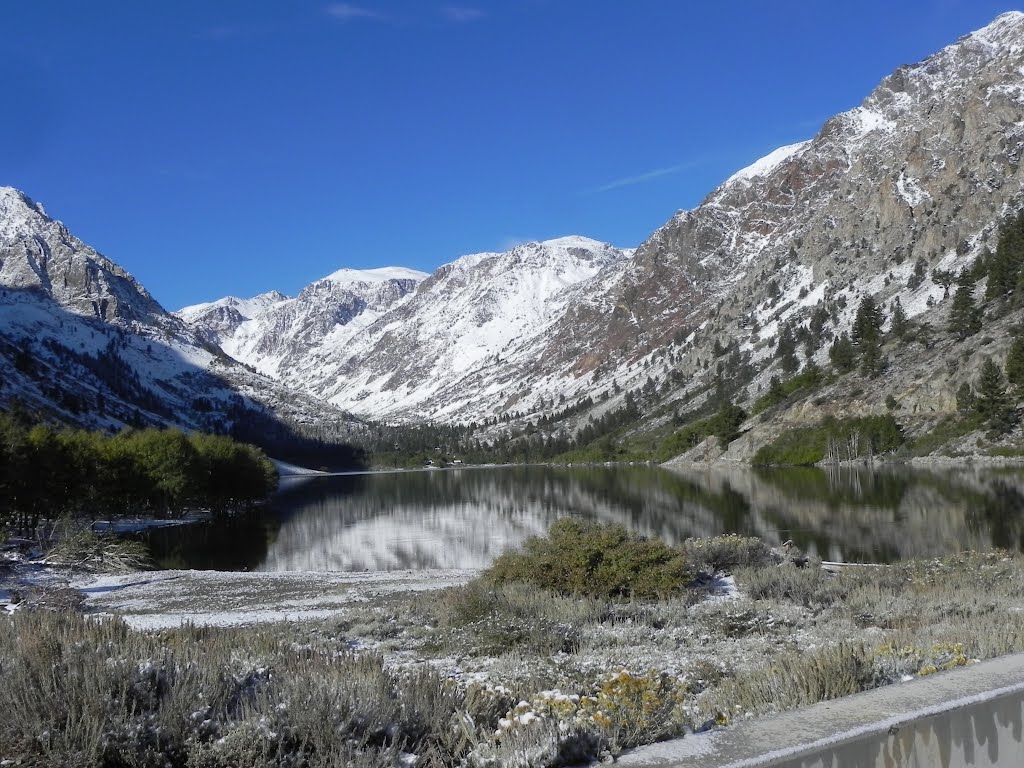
[[235, 147]]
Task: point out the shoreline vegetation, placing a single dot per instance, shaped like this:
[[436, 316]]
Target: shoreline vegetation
[[587, 642], [49, 474]]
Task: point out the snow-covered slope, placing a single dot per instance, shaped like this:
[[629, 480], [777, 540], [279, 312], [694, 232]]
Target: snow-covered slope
[[274, 333], [83, 342], [379, 349], [925, 167]]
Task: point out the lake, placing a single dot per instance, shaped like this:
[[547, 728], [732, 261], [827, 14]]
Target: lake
[[464, 518]]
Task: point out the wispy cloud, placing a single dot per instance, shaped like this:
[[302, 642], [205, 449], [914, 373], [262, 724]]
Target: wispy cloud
[[640, 178], [346, 12], [461, 14]]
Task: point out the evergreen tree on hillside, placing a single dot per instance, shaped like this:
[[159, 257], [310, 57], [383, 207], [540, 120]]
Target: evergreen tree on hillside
[[964, 316], [1004, 266], [726, 423], [965, 398], [842, 354], [1015, 363], [992, 402], [786, 351], [944, 277], [867, 326], [926, 335], [871, 361], [918, 275], [900, 323]]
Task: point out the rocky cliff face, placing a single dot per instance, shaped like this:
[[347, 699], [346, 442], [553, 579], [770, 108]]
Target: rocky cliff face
[[38, 253], [926, 166]]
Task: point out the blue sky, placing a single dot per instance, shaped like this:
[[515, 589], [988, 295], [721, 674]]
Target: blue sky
[[235, 147]]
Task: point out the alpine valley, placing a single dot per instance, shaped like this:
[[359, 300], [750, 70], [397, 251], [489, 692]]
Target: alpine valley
[[858, 290]]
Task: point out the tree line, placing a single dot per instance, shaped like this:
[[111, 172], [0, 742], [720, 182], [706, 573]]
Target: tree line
[[47, 473]]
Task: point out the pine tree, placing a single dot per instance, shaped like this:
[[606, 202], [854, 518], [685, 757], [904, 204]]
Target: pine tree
[[926, 335], [1015, 363], [867, 326], [786, 351], [964, 317], [944, 277], [727, 421], [871, 361], [1004, 270], [965, 398], [992, 402], [900, 323], [842, 353], [918, 275]]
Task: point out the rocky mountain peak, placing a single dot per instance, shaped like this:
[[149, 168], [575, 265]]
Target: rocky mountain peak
[[1004, 30], [38, 253]]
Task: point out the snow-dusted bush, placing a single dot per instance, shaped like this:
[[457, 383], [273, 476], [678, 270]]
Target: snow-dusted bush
[[724, 553], [484, 618], [581, 558], [553, 728]]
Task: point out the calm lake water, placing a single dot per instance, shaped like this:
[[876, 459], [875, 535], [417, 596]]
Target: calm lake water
[[464, 518]]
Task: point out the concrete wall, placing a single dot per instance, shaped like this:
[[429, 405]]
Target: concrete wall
[[986, 733], [972, 716]]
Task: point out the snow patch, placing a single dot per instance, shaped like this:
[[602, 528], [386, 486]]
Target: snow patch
[[864, 121], [379, 275], [768, 163], [910, 190]]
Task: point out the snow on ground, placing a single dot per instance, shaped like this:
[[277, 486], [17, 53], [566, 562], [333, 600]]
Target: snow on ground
[[284, 469], [135, 524], [153, 600]]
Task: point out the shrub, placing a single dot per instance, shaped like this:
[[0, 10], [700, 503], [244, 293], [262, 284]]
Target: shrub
[[493, 619], [84, 692], [723, 553], [579, 558], [636, 709]]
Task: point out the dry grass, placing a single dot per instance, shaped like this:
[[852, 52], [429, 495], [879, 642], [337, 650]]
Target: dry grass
[[86, 692], [445, 678]]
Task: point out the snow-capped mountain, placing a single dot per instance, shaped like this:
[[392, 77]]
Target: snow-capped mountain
[[82, 340], [399, 343], [222, 318], [40, 255], [274, 333]]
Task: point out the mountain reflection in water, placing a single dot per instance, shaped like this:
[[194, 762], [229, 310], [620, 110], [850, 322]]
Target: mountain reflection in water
[[464, 518]]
